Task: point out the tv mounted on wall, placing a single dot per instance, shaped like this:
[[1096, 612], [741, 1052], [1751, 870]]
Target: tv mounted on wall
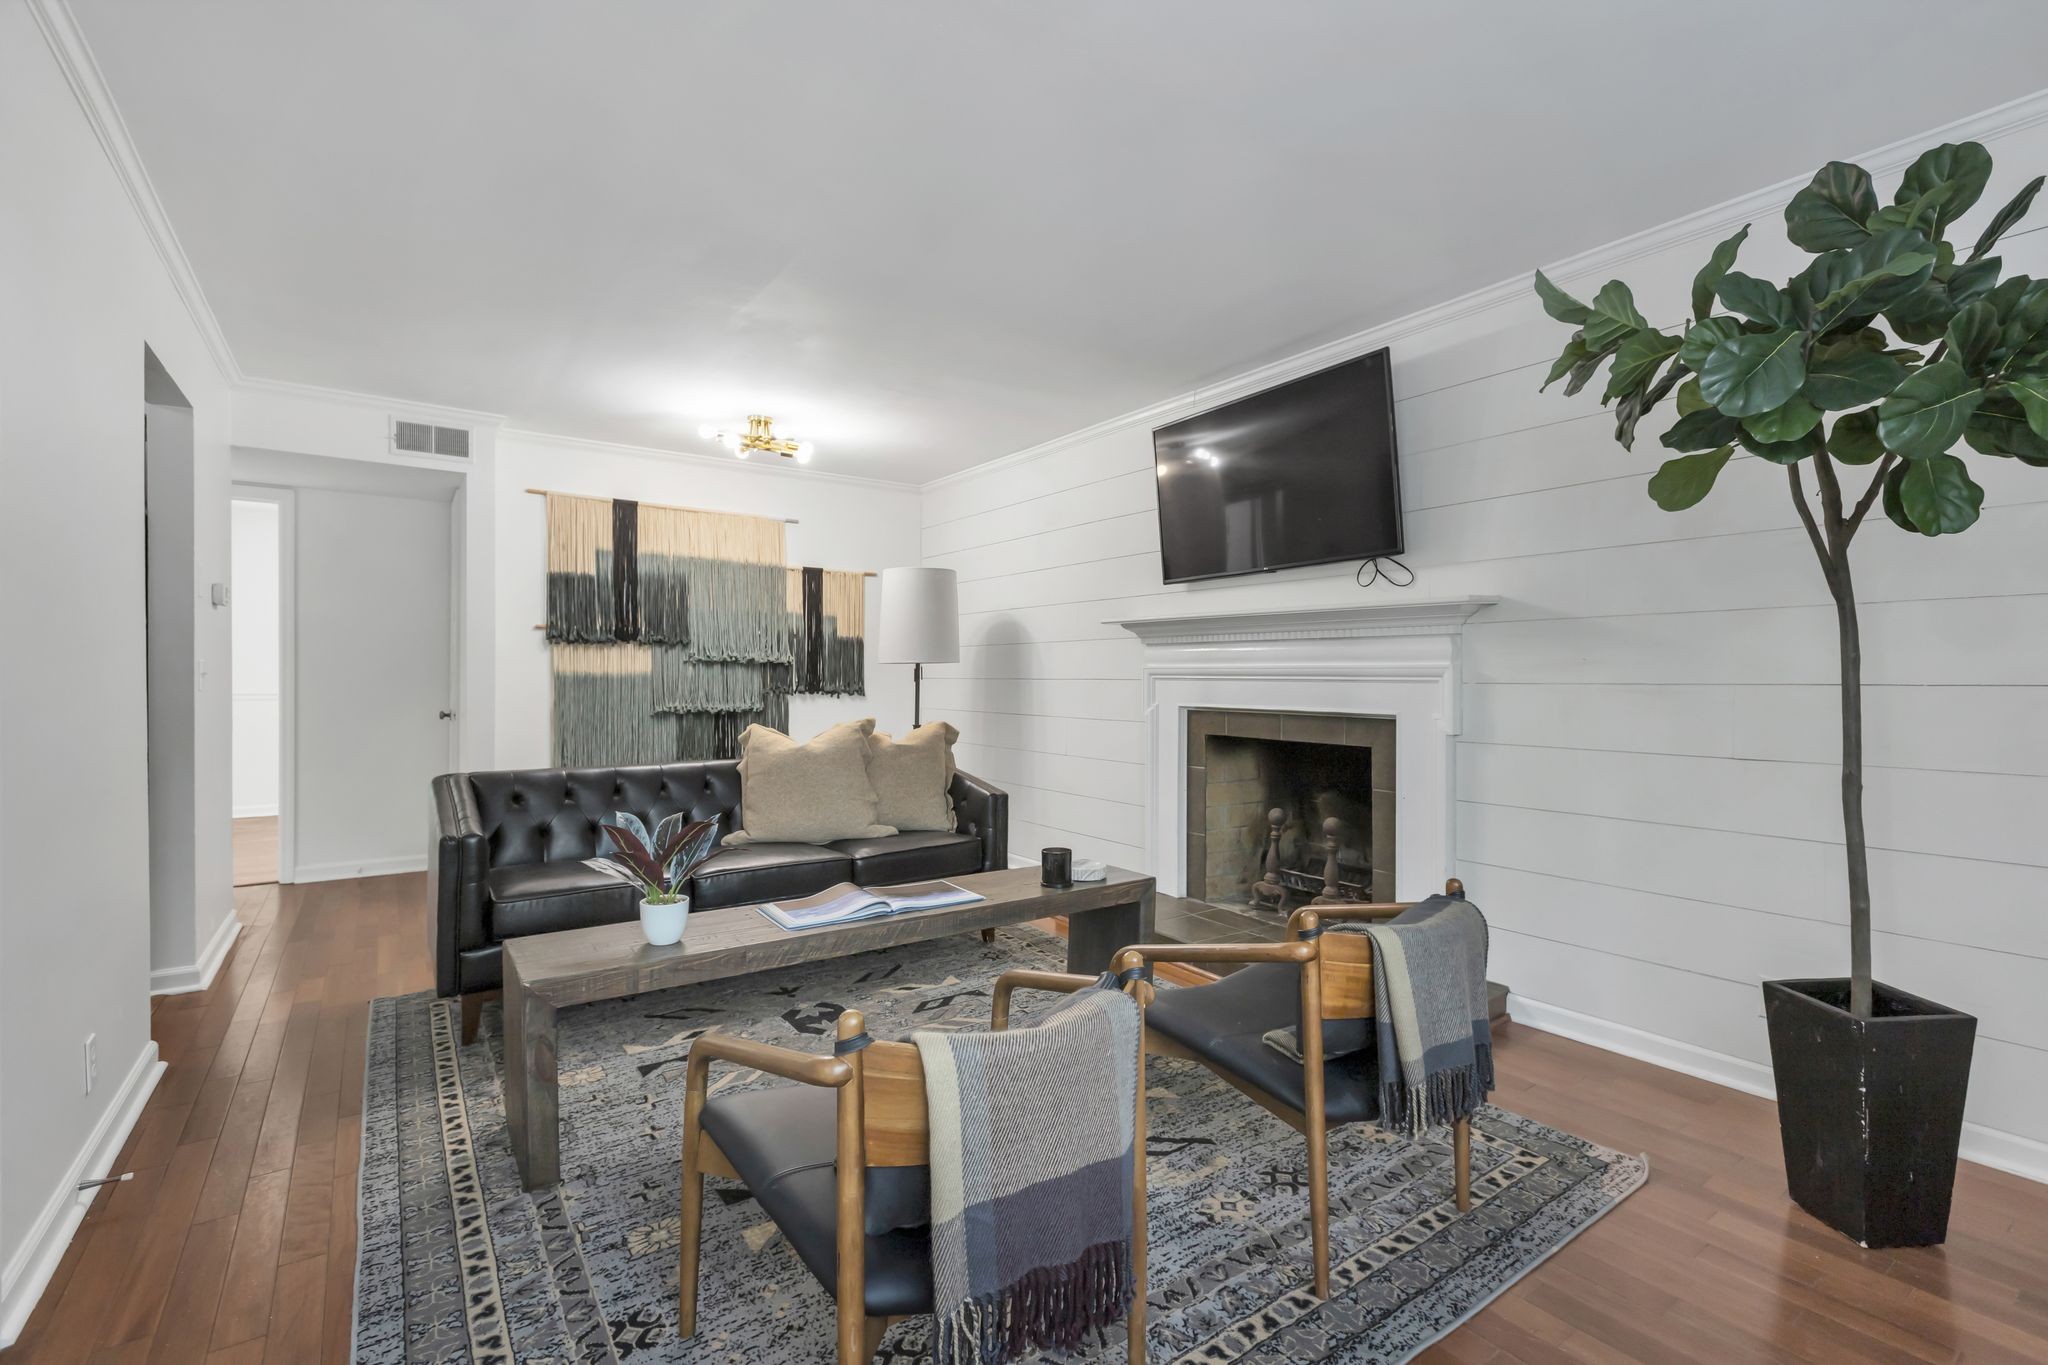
[[1304, 473]]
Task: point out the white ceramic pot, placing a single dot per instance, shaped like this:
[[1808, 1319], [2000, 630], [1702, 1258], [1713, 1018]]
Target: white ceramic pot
[[663, 924]]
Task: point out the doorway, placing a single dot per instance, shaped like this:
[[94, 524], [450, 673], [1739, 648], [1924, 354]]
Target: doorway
[[256, 543]]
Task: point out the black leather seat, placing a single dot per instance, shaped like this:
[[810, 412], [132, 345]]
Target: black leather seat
[[762, 872], [538, 898], [780, 1140], [1225, 1025], [893, 858]]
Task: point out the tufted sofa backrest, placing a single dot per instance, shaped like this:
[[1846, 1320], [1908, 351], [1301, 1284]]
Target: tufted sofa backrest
[[550, 815]]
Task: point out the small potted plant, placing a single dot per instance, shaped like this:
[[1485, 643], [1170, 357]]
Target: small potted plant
[[1866, 372], [660, 866]]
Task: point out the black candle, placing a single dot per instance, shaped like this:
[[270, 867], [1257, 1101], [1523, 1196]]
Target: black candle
[[1056, 867]]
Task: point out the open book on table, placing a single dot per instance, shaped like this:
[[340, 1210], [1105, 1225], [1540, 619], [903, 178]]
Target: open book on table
[[845, 903]]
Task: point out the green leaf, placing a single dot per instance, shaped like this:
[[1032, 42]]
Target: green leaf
[[1680, 483], [1926, 414], [1637, 360], [1569, 359], [1854, 439], [1701, 430], [1831, 211], [1920, 213], [1559, 304], [1689, 400], [2025, 317], [2002, 221], [2030, 391], [1704, 283], [1783, 452], [2000, 428], [1612, 317], [1839, 377], [1786, 423], [1704, 336], [1859, 283], [1583, 372], [1964, 165], [1939, 495], [1634, 404], [1972, 281], [1921, 316], [1893, 507], [1973, 335], [1754, 372], [1758, 300]]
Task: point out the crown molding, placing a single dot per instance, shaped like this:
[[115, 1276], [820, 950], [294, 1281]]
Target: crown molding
[[779, 467], [1715, 222], [82, 73], [404, 407]]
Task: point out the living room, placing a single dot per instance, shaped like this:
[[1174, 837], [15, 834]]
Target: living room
[[1250, 510]]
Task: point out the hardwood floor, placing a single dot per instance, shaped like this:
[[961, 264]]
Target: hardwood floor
[[255, 850], [235, 1243]]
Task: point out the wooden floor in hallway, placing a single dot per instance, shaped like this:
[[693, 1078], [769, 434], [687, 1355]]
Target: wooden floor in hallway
[[235, 1243]]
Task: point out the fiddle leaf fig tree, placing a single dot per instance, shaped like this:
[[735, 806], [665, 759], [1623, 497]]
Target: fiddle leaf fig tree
[[1871, 368]]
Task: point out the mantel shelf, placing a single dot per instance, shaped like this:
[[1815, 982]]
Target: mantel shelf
[[1441, 616]]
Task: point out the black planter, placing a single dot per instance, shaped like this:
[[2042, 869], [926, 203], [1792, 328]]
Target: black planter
[[1870, 1109]]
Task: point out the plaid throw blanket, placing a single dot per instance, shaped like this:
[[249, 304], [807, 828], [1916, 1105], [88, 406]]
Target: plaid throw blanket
[[1429, 1001], [1031, 1170]]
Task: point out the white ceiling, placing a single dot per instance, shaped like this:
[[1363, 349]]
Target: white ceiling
[[926, 234]]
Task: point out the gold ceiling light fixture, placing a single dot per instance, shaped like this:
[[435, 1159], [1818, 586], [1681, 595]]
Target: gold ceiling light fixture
[[759, 435]]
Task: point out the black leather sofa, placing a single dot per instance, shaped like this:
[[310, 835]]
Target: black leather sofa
[[507, 850]]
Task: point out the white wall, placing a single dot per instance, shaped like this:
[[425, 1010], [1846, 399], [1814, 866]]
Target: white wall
[[83, 290], [843, 524], [1648, 806], [254, 541]]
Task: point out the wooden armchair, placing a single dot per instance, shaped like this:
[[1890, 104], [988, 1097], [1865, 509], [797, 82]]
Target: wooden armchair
[[839, 1160], [1321, 983]]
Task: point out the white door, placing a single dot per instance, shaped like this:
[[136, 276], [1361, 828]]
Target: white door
[[374, 712]]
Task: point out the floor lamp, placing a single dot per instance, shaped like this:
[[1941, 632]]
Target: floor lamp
[[920, 624]]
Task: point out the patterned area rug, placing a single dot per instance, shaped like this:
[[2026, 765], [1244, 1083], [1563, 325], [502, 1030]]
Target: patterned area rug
[[458, 1264]]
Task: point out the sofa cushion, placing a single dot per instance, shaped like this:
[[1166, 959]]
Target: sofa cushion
[[540, 898], [1225, 1025], [806, 793], [762, 872], [911, 776], [780, 1140], [894, 858]]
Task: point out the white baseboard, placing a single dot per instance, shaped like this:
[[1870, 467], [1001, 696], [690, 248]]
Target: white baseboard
[[254, 812], [2022, 1156], [370, 867], [28, 1273], [198, 976]]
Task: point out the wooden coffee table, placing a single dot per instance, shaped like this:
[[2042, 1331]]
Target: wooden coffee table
[[545, 972]]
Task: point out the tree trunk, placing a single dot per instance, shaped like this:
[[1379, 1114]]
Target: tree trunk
[[1852, 787]]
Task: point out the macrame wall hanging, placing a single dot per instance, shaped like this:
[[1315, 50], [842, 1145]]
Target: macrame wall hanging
[[672, 630]]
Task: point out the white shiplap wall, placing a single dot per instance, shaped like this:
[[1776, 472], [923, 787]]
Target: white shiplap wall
[[1647, 791]]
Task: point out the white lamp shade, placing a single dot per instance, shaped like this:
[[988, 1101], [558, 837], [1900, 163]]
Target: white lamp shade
[[920, 616]]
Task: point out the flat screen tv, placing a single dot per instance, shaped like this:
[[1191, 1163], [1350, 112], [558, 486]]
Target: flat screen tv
[[1300, 474]]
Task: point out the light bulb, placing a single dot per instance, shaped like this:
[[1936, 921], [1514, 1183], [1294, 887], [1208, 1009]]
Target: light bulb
[[803, 452], [731, 441], [742, 453], [708, 432]]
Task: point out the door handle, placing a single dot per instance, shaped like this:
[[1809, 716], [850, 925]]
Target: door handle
[[447, 715]]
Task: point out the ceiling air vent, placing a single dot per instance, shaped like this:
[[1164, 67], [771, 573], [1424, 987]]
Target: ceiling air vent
[[423, 438]]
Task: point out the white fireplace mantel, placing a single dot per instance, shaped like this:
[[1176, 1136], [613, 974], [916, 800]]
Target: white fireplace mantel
[[1441, 616], [1398, 659]]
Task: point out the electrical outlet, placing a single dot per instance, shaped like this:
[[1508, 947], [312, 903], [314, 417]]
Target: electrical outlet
[[92, 1061]]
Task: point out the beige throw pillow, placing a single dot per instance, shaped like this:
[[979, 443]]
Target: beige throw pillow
[[912, 777], [806, 793]]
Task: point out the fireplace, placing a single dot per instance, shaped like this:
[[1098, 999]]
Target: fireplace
[[1286, 806]]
